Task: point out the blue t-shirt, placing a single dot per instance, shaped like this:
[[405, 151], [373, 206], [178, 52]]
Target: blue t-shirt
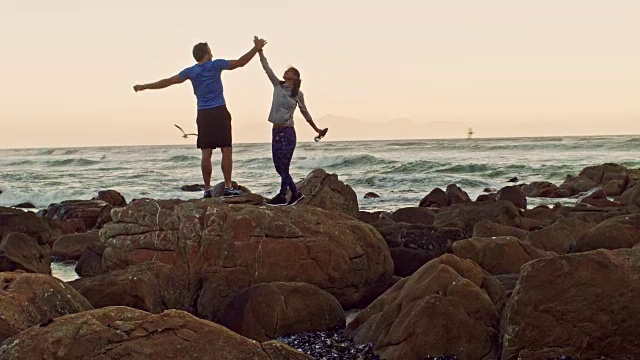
[[206, 82]]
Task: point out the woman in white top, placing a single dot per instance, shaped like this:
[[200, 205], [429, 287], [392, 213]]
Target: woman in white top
[[286, 97]]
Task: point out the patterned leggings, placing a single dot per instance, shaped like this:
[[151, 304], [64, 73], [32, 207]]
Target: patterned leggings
[[283, 143]]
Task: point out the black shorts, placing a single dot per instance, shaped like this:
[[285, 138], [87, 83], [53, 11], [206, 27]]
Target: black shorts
[[214, 128]]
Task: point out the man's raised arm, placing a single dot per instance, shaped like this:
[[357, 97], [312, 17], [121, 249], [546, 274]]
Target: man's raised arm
[[258, 44], [177, 79]]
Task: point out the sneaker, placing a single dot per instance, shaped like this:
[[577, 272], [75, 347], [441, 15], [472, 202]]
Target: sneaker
[[295, 198], [231, 192], [208, 194], [278, 200]]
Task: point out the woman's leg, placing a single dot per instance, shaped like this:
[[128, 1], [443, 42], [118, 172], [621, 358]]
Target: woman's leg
[[290, 148], [283, 145]]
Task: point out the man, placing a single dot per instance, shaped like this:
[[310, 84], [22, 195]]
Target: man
[[214, 120]]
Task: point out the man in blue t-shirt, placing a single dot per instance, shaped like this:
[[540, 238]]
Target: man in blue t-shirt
[[214, 120]]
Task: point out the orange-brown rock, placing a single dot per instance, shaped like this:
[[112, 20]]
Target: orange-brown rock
[[414, 215], [615, 233], [218, 189], [513, 194], [71, 246], [19, 251], [152, 286], [603, 174], [487, 228], [631, 197], [580, 305], [578, 184], [465, 216], [26, 222], [111, 197], [269, 311], [414, 245], [598, 198], [327, 192], [449, 306], [544, 189], [30, 299], [498, 255], [224, 248], [559, 237], [436, 197], [125, 333], [85, 211], [455, 195]]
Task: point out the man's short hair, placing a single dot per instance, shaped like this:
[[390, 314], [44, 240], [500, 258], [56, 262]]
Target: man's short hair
[[200, 51]]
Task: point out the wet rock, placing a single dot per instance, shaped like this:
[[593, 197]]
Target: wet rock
[[465, 216], [125, 333], [513, 194], [498, 255], [111, 197], [487, 197], [192, 188], [578, 184], [598, 198], [414, 245], [603, 174], [631, 198], [327, 192], [369, 217], [414, 215], [452, 294], [267, 311], [329, 345], [616, 233], [90, 262], [30, 299], [584, 305], [19, 251], [436, 197], [152, 286], [560, 237], [71, 246], [371, 195]]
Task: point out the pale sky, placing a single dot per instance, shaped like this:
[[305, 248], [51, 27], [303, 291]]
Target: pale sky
[[68, 66]]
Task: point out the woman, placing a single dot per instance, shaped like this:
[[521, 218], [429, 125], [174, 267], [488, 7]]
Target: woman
[[286, 97]]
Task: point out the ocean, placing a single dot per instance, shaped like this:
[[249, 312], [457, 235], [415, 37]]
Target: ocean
[[401, 172]]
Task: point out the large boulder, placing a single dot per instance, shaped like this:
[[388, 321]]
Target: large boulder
[[580, 305], [603, 174], [326, 191], [85, 211], [487, 228], [437, 197], [112, 198], [414, 215], [30, 299], [90, 262], [269, 311], [465, 216], [152, 286], [560, 237], [414, 245], [449, 306], [223, 248], [22, 252], [125, 333], [498, 255], [26, 222], [597, 197], [71, 246], [615, 233], [513, 194]]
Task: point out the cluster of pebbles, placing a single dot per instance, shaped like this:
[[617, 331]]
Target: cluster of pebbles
[[333, 345]]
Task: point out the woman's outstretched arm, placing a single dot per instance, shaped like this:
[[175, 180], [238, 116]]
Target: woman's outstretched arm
[[305, 112], [265, 65]]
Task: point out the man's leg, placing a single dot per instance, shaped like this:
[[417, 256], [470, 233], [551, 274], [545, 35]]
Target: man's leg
[[205, 165], [227, 166]]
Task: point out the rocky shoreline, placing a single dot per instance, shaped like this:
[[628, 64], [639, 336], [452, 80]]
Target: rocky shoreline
[[449, 278]]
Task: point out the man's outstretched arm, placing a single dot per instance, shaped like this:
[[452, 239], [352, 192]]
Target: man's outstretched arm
[[160, 84], [258, 44]]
